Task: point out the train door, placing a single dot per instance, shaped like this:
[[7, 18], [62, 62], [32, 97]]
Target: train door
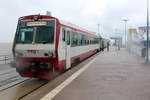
[[68, 58]]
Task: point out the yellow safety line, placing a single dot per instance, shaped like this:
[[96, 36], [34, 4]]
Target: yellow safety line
[[55, 91]]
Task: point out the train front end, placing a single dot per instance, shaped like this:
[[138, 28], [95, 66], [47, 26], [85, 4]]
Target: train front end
[[34, 46]]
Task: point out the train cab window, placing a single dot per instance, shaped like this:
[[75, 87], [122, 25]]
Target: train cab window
[[25, 35], [63, 34], [29, 32], [68, 38], [45, 34]]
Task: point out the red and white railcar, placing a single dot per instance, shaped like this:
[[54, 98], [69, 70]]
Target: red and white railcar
[[44, 44]]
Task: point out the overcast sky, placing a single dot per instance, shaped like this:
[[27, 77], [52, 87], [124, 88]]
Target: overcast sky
[[84, 13]]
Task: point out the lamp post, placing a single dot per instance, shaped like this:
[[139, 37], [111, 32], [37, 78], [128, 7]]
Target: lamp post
[[98, 29], [147, 47], [125, 21]]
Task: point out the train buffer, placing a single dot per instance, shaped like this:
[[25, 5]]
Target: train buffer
[[114, 75]]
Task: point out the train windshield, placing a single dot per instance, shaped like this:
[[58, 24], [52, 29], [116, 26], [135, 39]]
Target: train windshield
[[36, 32], [44, 35], [25, 35]]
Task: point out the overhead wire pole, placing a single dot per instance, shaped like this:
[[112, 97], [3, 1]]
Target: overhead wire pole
[[147, 48], [125, 21]]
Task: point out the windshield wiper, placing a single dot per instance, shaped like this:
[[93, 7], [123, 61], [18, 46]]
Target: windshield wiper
[[44, 42], [22, 42]]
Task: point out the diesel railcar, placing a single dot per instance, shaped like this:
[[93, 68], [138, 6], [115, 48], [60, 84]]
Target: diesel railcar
[[44, 45]]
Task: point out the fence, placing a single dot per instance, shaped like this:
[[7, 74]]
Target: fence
[[5, 59], [138, 48]]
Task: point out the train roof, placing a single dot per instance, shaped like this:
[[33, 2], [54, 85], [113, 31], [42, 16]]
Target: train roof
[[63, 23], [73, 26]]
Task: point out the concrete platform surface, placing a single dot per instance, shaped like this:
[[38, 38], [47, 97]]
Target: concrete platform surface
[[114, 75]]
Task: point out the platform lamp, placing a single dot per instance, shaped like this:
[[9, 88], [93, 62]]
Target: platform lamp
[[98, 29], [125, 21]]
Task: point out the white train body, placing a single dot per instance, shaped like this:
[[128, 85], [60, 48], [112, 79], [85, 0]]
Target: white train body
[[44, 45]]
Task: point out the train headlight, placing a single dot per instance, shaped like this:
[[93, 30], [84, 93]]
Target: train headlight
[[50, 54], [46, 54]]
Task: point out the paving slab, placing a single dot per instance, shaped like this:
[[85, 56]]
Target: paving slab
[[114, 75]]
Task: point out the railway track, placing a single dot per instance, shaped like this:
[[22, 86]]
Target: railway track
[[11, 83], [6, 72], [10, 78], [22, 89], [17, 88]]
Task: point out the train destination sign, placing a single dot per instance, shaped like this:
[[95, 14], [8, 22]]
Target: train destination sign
[[37, 23]]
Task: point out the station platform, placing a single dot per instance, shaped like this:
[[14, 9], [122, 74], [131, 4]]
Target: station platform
[[113, 75]]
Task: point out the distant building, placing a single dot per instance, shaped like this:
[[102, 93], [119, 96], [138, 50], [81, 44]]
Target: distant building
[[143, 29], [132, 30], [139, 33]]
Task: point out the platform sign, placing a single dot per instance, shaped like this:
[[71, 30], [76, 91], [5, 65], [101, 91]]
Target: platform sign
[[37, 23]]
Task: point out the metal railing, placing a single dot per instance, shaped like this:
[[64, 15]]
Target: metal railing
[[4, 59]]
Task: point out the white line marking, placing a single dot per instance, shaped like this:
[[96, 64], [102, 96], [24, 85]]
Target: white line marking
[[55, 91]]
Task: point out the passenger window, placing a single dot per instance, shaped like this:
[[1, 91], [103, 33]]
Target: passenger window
[[74, 39], [63, 34], [80, 39], [68, 38]]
